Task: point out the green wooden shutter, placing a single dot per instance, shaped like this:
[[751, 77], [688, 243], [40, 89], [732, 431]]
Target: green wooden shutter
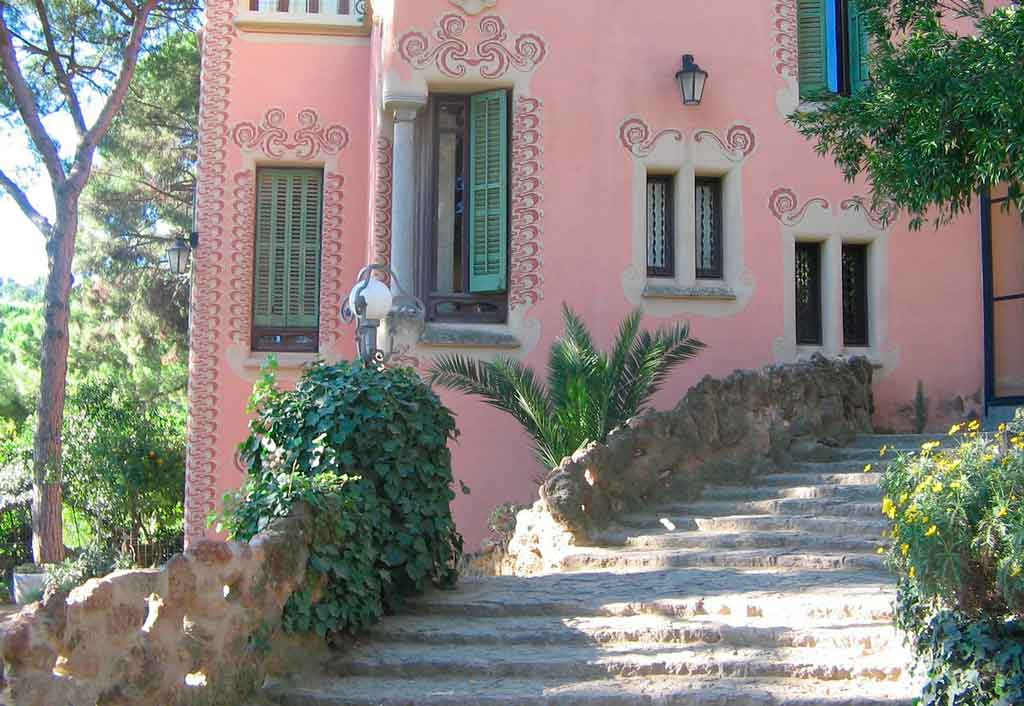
[[812, 40], [488, 183], [860, 47], [286, 282]]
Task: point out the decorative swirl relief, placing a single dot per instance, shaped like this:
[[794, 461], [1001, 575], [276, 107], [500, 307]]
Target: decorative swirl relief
[[382, 202], [637, 136], [242, 255], [331, 291], [785, 49], [271, 138], [738, 144], [785, 206], [527, 199], [492, 55], [879, 216], [205, 314]]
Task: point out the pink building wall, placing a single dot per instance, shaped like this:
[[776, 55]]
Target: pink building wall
[[601, 91]]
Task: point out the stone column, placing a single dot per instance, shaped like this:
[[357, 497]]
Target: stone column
[[403, 201]]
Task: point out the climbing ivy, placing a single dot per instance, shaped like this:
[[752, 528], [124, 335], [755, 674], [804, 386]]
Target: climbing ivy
[[367, 451]]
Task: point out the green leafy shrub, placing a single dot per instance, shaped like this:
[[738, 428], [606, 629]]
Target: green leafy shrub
[[588, 392], [15, 501], [958, 549], [367, 450], [91, 562]]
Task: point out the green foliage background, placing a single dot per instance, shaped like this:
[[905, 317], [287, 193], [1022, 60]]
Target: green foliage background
[[367, 450]]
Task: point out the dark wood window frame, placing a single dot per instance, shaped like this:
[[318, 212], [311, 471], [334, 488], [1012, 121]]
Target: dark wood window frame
[[276, 339], [463, 306], [808, 319], [717, 269], [856, 278], [668, 270]]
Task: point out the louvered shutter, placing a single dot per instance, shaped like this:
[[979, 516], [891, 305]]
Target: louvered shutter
[[488, 202], [286, 282], [812, 40], [860, 47]]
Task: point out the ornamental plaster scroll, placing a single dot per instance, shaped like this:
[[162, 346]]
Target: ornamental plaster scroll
[[306, 142], [527, 200], [474, 7], [383, 190], [879, 215], [785, 54], [493, 55], [668, 150], [206, 311], [785, 205]]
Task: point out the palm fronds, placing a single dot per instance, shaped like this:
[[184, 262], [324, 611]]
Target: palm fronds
[[587, 393]]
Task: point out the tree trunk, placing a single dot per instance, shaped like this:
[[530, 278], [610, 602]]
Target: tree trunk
[[47, 524]]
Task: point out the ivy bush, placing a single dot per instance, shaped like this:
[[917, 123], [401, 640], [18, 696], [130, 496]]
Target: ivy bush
[[367, 451], [958, 549]]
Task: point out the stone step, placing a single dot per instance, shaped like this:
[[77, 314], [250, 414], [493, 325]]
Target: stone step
[[816, 507], [815, 477], [825, 526], [896, 441], [782, 597], [403, 660], [854, 493], [737, 540], [599, 559], [658, 691], [724, 631]]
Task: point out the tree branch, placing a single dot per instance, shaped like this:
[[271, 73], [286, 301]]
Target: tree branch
[[87, 147], [63, 80], [26, 206], [27, 107]]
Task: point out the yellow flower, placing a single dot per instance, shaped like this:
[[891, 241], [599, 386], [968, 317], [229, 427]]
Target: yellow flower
[[884, 451], [1003, 511], [1016, 570], [1002, 428], [937, 487], [905, 549], [975, 425], [954, 429], [867, 468], [930, 446], [888, 508], [904, 498], [913, 572], [880, 550], [932, 531]]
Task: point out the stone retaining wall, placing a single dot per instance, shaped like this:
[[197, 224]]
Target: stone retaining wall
[[726, 430], [196, 631]]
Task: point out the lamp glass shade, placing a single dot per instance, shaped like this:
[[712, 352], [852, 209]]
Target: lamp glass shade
[[377, 296], [692, 79], [177, 256]]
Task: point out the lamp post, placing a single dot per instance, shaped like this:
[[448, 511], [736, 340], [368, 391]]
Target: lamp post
[[692, 79], [370, 303]]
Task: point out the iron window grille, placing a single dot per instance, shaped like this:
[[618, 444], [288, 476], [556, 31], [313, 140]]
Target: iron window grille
[[660, 226], [709, 251], [855, 294], [808, 294]]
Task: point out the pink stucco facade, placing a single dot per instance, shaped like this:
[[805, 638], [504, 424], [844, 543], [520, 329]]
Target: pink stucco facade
[[594, 109]]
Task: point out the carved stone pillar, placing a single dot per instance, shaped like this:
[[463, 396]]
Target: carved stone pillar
[[403, 203]]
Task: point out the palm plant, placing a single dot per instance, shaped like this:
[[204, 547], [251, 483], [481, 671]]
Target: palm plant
[[588, 392]]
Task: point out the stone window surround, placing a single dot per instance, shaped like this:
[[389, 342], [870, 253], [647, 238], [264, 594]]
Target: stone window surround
[[687, 160], [821, 225]]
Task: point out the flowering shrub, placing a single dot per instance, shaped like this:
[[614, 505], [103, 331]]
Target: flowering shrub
[[958, 549]]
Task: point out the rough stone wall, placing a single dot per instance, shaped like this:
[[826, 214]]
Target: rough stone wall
[[726, 430], [194, 632]]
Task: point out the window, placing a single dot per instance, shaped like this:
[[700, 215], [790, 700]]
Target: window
[[833, 47], [312, 7], [661, 231], [855, 294], [708, 203], [808, 294], [286, 277], [466, 259]]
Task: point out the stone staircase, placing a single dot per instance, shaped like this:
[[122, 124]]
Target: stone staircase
[[770, 594]]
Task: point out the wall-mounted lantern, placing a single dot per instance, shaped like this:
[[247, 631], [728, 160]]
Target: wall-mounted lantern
[[370, 303], [179, 253], [692, 79]]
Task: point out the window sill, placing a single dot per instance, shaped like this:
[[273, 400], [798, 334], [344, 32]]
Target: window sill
[[285, 361], [469, 336], [712, 292], [296, 23], [872, 355]]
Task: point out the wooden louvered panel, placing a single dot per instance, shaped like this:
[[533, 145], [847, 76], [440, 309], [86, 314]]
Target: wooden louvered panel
[[488, 218], [812, 40]]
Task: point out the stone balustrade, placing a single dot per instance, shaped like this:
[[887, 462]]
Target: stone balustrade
[[196, 631], [723, 430]]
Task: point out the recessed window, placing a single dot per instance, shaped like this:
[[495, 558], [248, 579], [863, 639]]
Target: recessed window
[[855, 294], [808, 294], [708, 204], [466, 258], [286, 277], [833, 47], [661, 231]]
